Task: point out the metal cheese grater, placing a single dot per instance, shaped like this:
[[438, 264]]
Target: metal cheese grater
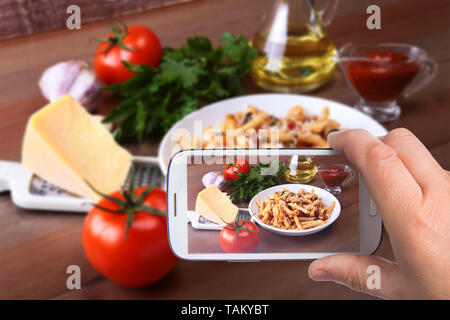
[[199, 222], [31, 192]]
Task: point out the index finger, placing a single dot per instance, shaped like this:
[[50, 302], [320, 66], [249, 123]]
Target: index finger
[[389, 182]]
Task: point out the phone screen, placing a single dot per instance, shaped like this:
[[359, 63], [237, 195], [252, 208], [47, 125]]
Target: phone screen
[[299, 204]]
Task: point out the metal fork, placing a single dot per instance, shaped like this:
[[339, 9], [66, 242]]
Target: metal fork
[[243, 214]]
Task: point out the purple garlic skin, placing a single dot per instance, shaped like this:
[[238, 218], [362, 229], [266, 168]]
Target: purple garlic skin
[[71, 77], [215, 178]]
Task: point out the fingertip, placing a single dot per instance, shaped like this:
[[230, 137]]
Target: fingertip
[[353, 271], [317, 271], [332, 137], [320, 275]]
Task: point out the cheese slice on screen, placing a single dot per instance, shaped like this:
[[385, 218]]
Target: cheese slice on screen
[[215, 206], [64, 145]]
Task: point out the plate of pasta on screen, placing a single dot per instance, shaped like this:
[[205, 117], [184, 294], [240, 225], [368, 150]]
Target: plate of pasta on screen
[[294, 209], [263, 121]]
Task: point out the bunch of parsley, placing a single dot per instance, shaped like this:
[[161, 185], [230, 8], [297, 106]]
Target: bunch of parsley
[[248, 185], [187, 78]]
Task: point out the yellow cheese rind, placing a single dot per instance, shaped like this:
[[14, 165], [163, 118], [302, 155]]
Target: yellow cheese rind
[[64, 145], [215, 206]]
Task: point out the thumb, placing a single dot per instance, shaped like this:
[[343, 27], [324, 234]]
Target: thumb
[[369, 274]]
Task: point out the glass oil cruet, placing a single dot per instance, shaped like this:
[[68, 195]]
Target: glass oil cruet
[[295, 53], [300, 169]]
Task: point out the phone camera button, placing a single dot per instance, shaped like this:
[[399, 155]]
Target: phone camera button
[[373, 209]]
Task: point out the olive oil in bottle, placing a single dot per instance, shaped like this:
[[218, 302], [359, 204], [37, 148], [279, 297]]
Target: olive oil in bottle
[[300, 169], [294, 55]]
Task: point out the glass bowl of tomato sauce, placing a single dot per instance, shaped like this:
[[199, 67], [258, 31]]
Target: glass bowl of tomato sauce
[[335, 176], [382, 73]]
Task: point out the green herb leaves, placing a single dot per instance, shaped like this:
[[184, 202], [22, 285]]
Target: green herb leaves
[[187, 78], [246, 186]]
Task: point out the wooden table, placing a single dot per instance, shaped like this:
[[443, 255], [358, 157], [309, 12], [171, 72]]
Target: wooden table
[[37, 247]]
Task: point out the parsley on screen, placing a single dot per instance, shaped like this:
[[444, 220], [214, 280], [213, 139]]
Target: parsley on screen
[[246, 186], [187, 79]]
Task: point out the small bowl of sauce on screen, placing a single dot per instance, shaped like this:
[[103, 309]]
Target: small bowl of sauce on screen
[[335, 176]]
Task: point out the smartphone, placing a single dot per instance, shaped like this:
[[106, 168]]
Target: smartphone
[[305, 204]]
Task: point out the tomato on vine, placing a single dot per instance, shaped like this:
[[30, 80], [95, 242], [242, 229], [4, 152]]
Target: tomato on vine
[[240, 166], [125, 236], [135, 44], [239, 237]]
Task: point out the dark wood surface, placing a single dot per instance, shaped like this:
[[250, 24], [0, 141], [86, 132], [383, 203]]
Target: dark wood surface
[[37, 247], [20, 18]]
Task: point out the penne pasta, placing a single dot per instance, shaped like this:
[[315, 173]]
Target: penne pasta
[[294, 210], [295, 130]]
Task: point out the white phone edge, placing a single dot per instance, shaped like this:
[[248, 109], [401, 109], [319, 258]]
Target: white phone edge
[[370, 219]]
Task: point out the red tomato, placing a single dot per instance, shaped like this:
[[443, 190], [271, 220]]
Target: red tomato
[[145, 48], [142, 258], [291, 125], [230, 170], [242, 237]]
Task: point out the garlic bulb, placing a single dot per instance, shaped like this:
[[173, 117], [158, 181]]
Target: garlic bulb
[[71, 77], [213, 177]]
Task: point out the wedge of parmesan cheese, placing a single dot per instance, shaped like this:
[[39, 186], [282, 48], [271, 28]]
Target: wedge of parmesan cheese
[[66, 146], [215, 206]]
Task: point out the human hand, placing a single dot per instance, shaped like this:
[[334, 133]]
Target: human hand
[[412, 193]]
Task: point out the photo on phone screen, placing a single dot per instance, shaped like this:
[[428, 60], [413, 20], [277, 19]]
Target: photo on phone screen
[[296, 203]]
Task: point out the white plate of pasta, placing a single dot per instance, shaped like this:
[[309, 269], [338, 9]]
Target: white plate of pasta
[[294, 209], [299, 121]]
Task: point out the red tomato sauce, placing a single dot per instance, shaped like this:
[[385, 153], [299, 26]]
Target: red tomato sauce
[[384, 78], [334, 177]]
